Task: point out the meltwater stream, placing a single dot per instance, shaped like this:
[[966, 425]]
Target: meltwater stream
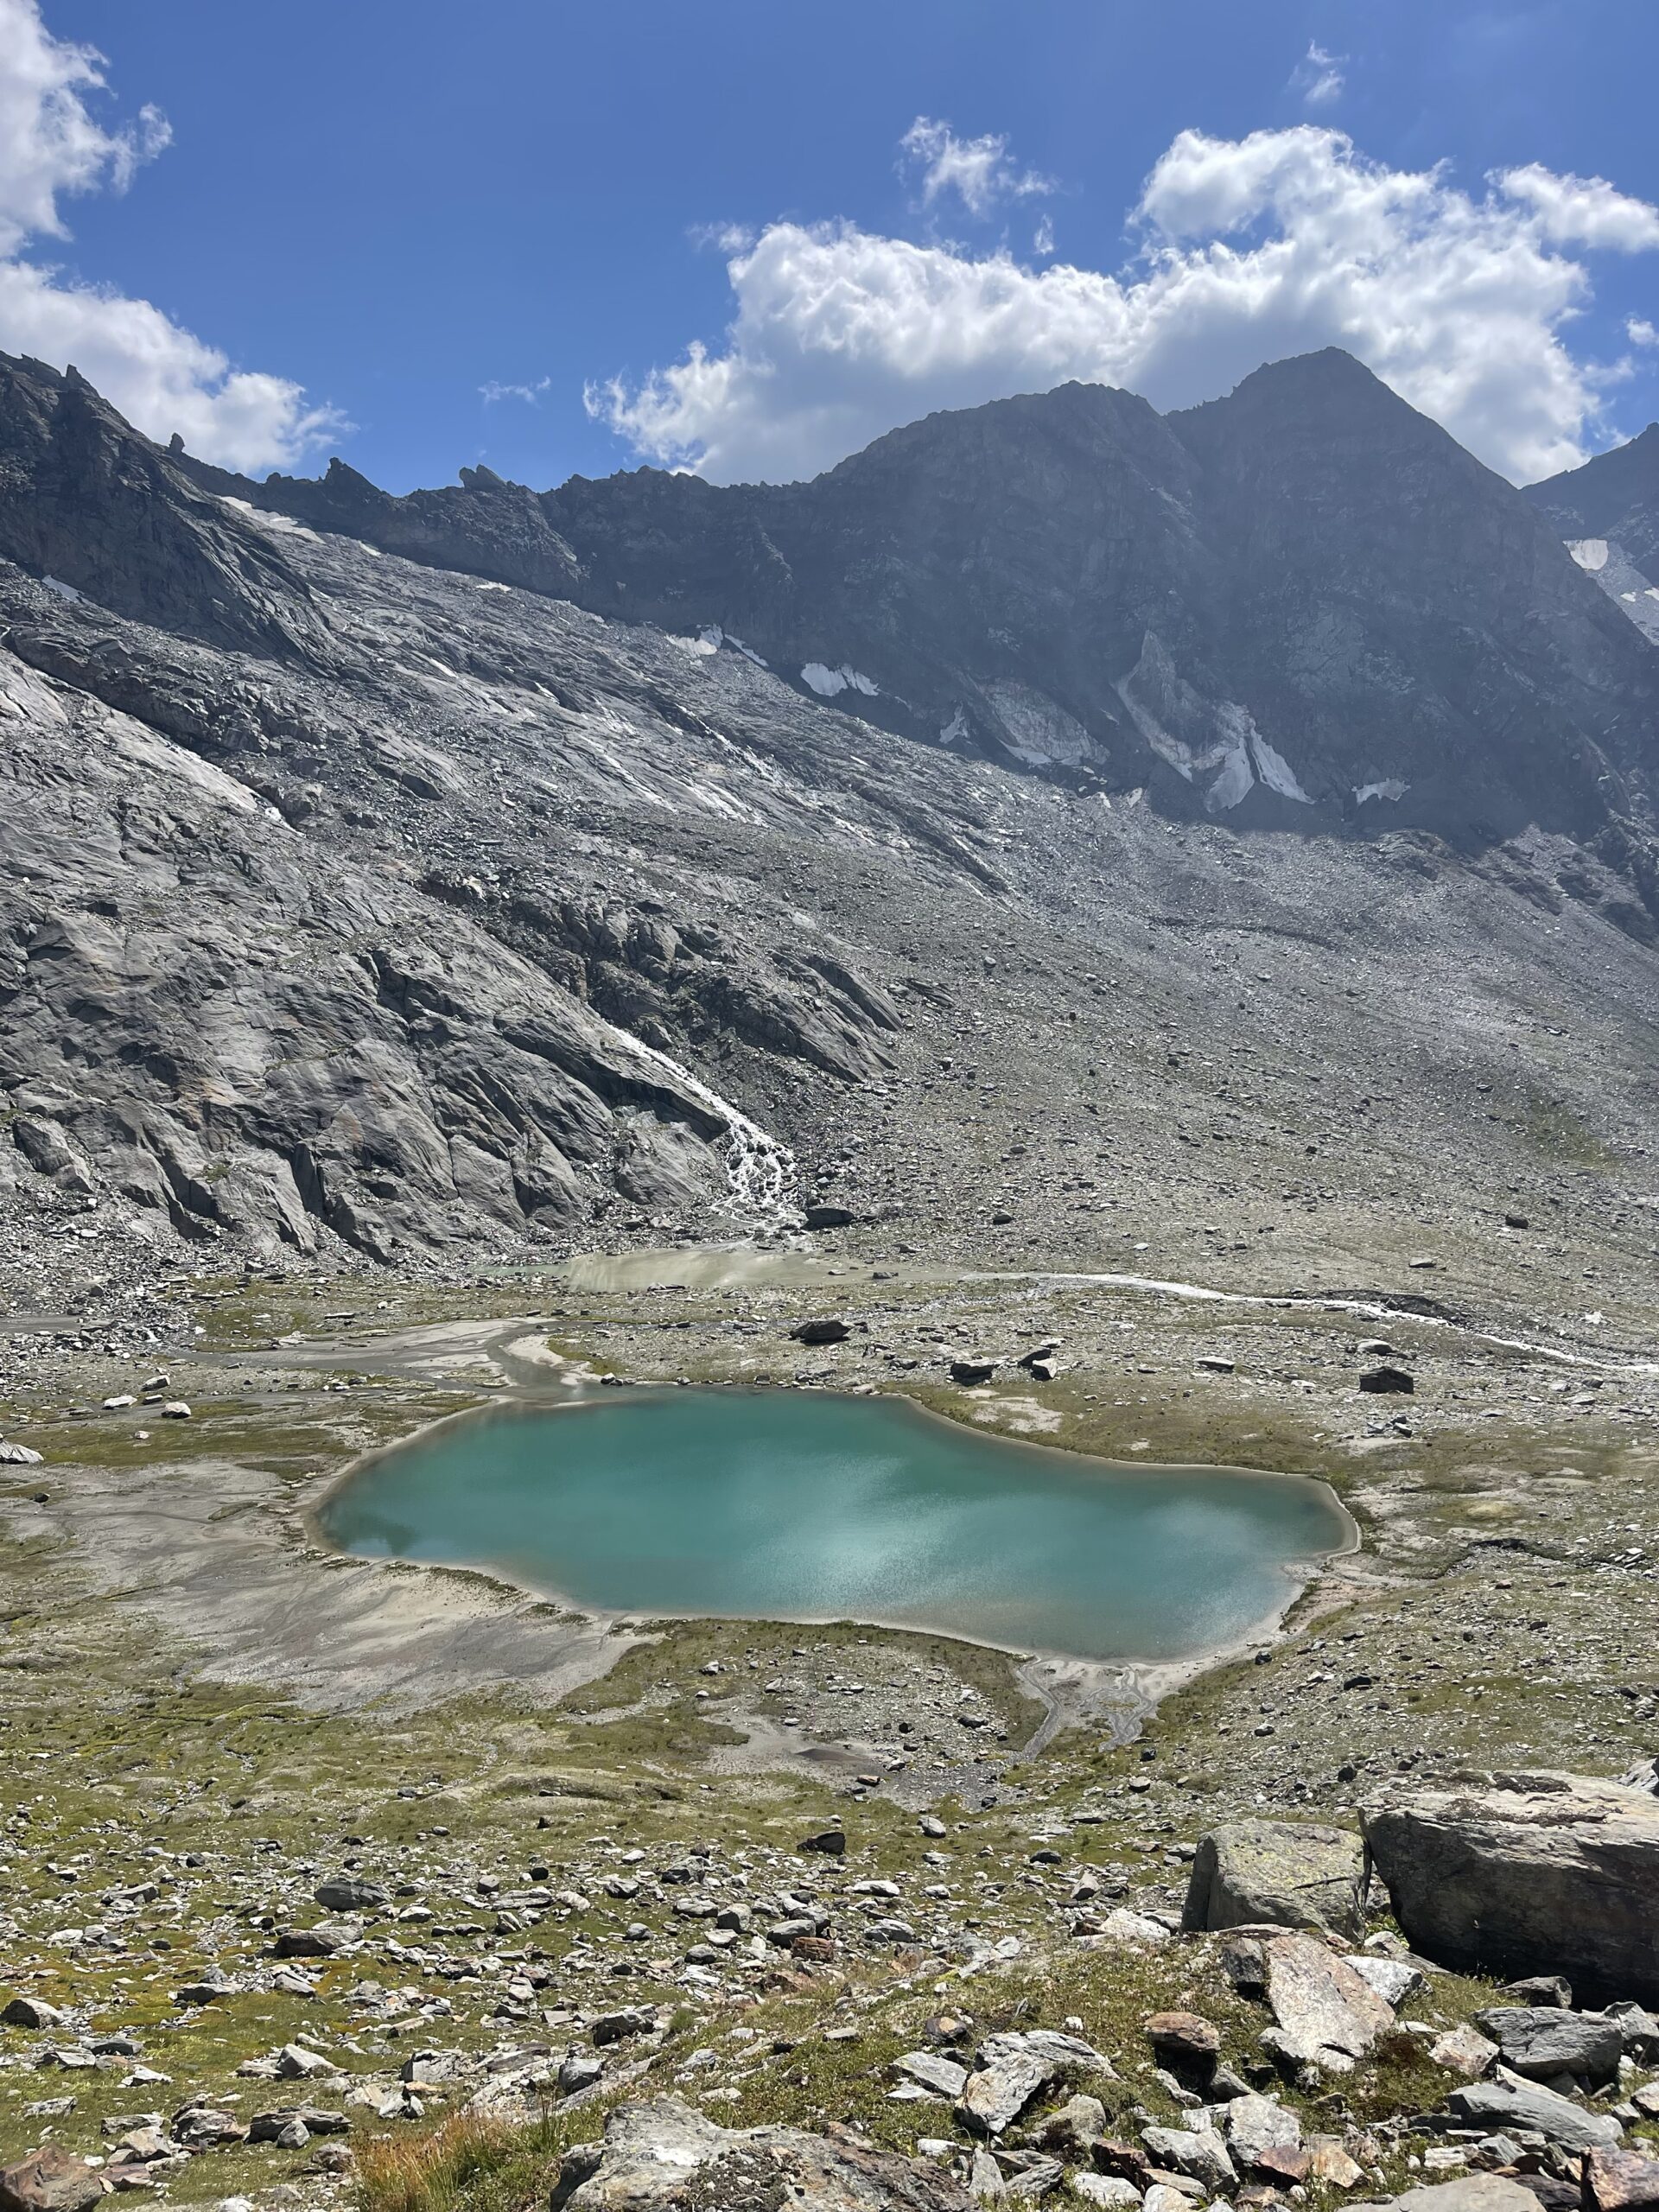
[[802, 1506]]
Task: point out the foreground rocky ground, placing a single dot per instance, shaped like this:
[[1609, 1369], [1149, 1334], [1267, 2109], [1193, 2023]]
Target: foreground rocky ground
[[305, 1857]]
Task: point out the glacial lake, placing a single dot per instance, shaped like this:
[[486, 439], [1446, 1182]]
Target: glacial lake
[[804, 1506]]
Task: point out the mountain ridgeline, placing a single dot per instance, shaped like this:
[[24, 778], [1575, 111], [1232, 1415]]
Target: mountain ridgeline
[[1303, 604]]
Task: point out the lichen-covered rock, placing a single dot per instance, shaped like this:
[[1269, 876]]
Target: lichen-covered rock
[[1293, 1874], [665, 2154], [1528, 1874]]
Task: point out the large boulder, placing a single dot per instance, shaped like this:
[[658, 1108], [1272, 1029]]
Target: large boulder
[[660, 2156], [1526, 1874], [1291, 1875], [49, 2180], [1503, 2107]]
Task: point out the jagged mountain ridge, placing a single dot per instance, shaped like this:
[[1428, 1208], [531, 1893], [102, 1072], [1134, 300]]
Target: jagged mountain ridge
[[1301, 604]]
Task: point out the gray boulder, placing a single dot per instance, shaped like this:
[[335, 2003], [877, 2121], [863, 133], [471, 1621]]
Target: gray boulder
[[1512, 2104], [656, 2156], [347, 1893], [1541, 2042], [1526, 1874], [1291, 1875]]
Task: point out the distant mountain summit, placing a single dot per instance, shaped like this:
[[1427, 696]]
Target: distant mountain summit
[[1608, 512], [1302, 604]]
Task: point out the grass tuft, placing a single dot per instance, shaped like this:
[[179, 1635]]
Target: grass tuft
[[487, 2164]]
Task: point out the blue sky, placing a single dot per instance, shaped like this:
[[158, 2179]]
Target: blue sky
[[395, 210]]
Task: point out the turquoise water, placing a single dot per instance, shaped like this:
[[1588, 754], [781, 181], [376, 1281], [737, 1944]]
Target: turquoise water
[[799, 1505]]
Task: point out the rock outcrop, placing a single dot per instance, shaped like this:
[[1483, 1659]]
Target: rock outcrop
[[665, 2154], [1528, 1874]]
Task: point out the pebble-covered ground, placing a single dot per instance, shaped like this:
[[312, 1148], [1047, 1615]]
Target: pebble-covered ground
[[553, 1899]]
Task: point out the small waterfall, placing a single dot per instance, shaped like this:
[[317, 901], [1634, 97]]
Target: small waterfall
[[760, 1169]]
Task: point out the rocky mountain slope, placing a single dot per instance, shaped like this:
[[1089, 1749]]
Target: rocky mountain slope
[[1608, 512], [1302, 604], [356, 904]]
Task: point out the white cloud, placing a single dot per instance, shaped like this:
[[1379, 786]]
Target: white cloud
[[1042, 243], [160, 376], [491, 392], [1319, 76], [978, 170], [1252, 249], [1583, 210], [1641, 332]]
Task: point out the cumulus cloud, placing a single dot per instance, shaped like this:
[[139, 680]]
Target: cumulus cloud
[[1582, 210], [1641, 332], [979, 171], [1319, 76], [162, 377], [1250, 249]]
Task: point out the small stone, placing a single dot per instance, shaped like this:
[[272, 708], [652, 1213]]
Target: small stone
[[828, 1331], [296, 2063], [175, 1410], [941, 2076], [970, 1372], [1184, 2041], [1389, 1381]]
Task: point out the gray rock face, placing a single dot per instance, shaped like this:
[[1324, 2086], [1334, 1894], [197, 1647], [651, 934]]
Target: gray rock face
[[1536, 1873], [1494, 2105], [656, 2156], [1297, 1876]]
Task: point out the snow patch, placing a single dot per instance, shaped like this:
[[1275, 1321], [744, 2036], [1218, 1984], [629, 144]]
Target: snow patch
[[482, 584], [714, 637], [956, 730], [63, 590], [267, 517], [827, 683], [1201, 737], [1390, 787], [1590, 553], [1275, 770]]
